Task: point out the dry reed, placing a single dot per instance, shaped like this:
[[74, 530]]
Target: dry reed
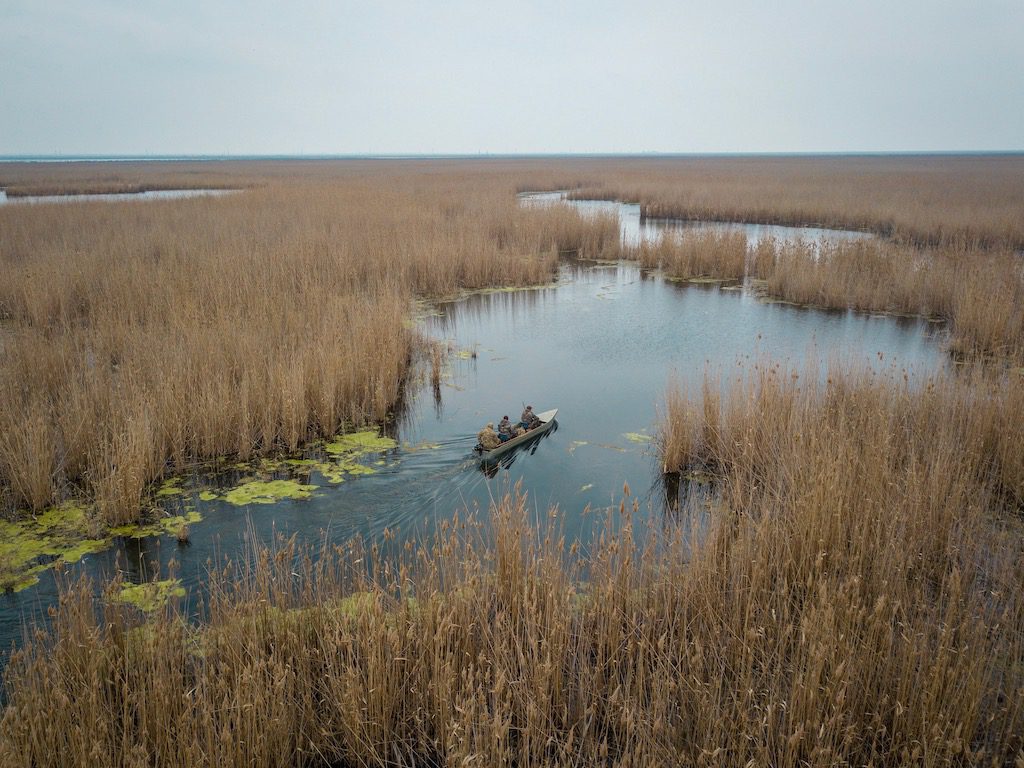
[[851, 600], [979, 293], [695, 253], [139, 337]]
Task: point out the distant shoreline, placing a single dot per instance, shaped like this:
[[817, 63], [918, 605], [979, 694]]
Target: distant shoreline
[[489, 156]]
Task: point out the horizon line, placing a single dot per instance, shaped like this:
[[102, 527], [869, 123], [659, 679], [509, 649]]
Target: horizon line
[[168, 157]]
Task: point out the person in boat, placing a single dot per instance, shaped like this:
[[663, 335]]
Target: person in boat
[[488, 438], [506, 429], [529, 419]]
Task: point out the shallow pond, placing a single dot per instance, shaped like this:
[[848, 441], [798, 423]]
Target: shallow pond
[[155, 194], [600, 346]]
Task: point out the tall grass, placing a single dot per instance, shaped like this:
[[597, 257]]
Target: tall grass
[[959, 202], [855, 597], [140, 337], [695, 253], [980, 293]]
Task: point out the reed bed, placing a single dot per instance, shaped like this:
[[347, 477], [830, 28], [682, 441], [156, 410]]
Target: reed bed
[[135, 338], [979, 293], [696, 253], [853, 597], [948, 201], [138, 338]]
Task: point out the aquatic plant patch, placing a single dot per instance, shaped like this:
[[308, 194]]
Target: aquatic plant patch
[[151, 595], [27, 547]]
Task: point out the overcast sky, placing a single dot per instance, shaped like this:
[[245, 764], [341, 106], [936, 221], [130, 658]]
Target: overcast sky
[[202, 77]]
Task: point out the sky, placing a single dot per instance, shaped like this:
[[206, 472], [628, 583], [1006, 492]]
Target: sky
[[133, 77]]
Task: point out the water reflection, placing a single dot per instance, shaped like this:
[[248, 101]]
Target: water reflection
[[600, 347], [636, 228], [155, 194]]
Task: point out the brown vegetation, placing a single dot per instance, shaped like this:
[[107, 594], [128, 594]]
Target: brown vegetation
[[966, 201], [856, 595], [135, 335], [980, 293], [695, 253], [851, 600], [868, 548]]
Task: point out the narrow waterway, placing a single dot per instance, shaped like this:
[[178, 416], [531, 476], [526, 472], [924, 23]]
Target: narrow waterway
[[600, 345], [154, 194]]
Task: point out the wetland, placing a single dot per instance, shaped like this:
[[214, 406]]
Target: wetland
[[779, 520]]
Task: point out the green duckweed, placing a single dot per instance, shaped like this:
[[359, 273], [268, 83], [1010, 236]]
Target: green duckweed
[[150, 596], [30, 546], [267, 492], [164, 525], [359, 443], [171, 487]]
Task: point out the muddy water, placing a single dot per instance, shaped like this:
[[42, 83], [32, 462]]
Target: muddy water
[[600, 346]]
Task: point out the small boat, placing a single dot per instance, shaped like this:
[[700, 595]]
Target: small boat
[[547, 419]]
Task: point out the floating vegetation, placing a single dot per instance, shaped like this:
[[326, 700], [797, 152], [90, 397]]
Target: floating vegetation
[[150, 596], [267, 492], [28, 547], [165, 525], [423, 446], [586, 487], [576, 444], [637, 437], [359, 443], [515, 288], [611, 447], [170, 487], [338, 459]]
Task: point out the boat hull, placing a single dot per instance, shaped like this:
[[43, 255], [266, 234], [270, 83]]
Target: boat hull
[[547, 419]]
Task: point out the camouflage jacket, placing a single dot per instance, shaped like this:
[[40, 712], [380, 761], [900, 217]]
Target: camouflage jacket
[[488, 438]]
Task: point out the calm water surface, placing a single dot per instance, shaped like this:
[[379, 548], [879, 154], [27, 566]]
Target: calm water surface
[[156, 194], [600, 346], [635, 230]]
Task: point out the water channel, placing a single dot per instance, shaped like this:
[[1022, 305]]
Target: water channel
[[113, 197], [600, 345]]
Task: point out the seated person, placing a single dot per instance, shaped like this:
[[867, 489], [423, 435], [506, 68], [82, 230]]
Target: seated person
[[529, 419], [506, 430], [488, 438]]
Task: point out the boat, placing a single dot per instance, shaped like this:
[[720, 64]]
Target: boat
[[547, 420]]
